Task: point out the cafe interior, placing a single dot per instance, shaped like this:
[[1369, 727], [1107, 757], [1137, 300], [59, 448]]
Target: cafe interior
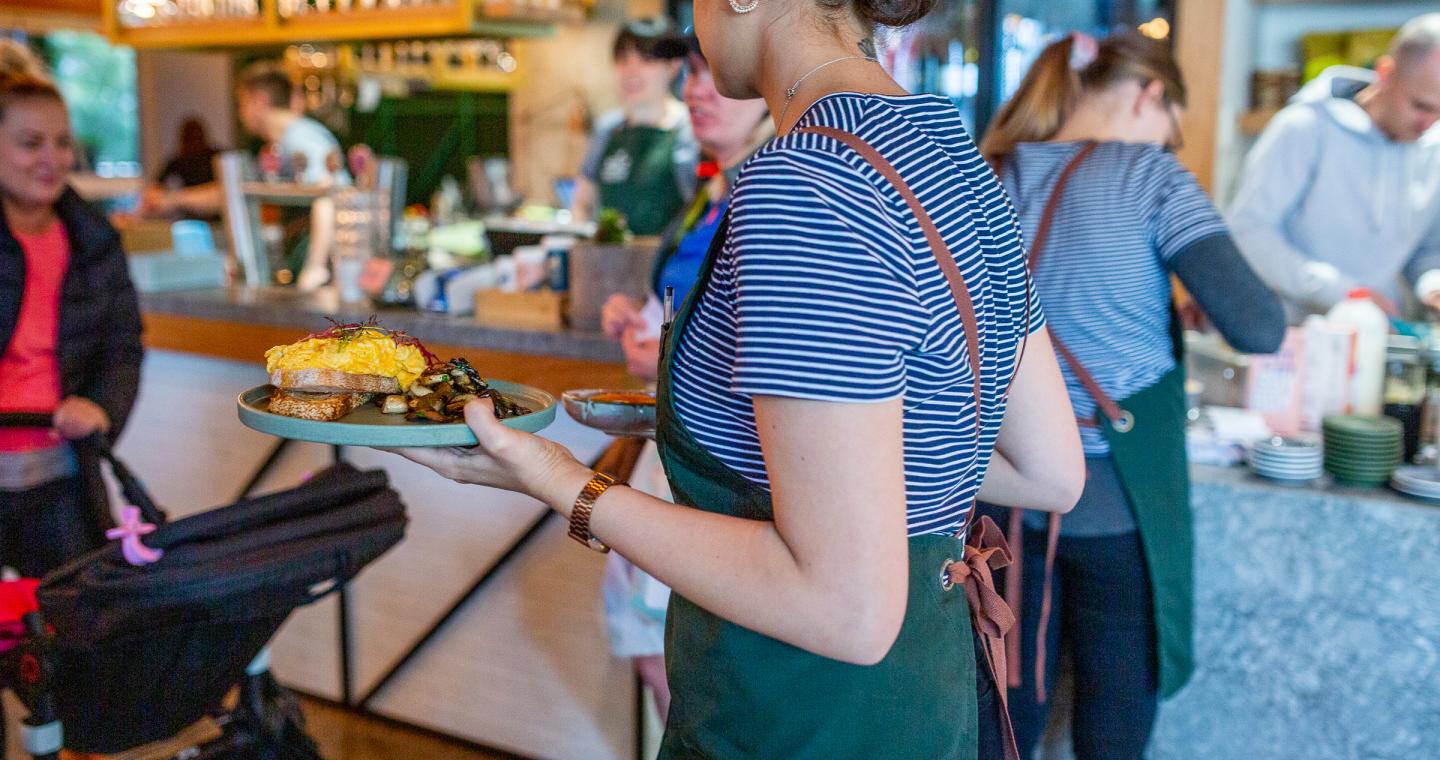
[[458, 206]]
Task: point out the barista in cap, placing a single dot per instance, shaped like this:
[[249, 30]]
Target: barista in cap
[[642, 157]]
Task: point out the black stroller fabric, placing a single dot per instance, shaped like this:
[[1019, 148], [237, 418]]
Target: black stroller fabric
[[146, 651]]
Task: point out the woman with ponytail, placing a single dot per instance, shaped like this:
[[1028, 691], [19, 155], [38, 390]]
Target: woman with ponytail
[[1109, 215]]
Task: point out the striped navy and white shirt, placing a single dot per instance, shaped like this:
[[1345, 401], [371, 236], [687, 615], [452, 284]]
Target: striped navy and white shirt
[[826, 289], [1129, 211]]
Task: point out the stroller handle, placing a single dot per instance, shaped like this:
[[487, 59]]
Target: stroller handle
[[26, 420], [130, 486]]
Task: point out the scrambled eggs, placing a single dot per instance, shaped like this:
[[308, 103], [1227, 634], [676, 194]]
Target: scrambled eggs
[[363, 353]]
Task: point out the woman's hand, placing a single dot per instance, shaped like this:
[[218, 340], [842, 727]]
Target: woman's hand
[[619, 314], [156, 201], [642, 357], [78, 417], [506, 458]]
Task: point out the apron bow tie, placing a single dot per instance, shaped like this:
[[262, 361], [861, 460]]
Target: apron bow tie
[[986, 552]]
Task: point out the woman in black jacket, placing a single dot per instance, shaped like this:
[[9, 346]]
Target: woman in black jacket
[[69, 337]]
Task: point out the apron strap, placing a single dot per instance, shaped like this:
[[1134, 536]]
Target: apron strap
[[1015, 538], [1014, 577], [1047, 217], [986, 552], [958, 290], [1118, 418], [985, 548]]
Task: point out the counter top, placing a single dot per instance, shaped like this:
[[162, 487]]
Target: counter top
[[1316, 629], [1242, 477], [307, 312]]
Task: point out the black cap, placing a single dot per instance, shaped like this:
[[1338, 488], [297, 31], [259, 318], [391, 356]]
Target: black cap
[[681, 46], [646, 36]]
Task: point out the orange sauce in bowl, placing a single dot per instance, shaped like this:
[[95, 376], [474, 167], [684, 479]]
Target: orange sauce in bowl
[[621, 397]]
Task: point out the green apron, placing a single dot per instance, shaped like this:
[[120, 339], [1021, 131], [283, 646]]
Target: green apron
[[740, 694], [1155, 473], [637, 177], [1148, 449]]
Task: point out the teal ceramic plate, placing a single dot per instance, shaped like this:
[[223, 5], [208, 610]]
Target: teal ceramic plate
[[366, 426]]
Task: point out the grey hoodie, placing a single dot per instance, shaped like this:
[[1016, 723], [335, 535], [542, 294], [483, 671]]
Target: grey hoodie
[[1329, 203]]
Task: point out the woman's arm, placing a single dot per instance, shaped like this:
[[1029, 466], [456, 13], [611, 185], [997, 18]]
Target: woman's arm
[[582, 206], [829, 575], [117, 378], [1248, 315], [1038, 463]]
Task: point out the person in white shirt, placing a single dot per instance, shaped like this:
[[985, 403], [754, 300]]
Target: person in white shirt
[[1343, 189], [267, 107]]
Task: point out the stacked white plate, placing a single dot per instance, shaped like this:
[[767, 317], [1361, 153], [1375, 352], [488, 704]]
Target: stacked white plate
[[1419, 482], [1288, 460]]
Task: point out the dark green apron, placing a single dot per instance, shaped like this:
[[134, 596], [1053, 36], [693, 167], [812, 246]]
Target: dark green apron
[[1155, 473], [740, 694], [1148, 448], [637, 177]]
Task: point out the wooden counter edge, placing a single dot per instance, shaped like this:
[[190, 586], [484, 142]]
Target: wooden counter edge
[[248, 343]]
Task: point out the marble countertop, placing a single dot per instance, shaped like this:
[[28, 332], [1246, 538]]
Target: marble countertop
[[1317, 636], [285, 307], [1242, 477]]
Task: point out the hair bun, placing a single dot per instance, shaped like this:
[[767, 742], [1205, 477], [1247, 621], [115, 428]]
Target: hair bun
[[892, 12]]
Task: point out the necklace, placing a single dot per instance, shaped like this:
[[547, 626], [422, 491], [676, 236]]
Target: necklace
[[790, 93]]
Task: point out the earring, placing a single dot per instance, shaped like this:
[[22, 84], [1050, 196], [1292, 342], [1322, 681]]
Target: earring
[[738, 8]]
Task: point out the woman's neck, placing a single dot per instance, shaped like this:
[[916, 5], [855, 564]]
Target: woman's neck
[[27, 218], [1094, 120], [788, 55], [649, 114]]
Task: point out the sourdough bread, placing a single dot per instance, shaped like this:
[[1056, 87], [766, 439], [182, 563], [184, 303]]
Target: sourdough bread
[[321, 380], [322, 407]]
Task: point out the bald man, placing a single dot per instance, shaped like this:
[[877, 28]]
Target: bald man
[[1342, 190]]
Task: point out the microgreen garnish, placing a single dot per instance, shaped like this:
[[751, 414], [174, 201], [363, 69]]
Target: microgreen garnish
[[345, 333]]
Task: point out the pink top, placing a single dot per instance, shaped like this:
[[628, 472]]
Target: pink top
[[30, 367]]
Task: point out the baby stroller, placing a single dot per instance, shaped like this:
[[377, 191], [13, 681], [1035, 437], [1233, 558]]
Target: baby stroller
[[122, 654]]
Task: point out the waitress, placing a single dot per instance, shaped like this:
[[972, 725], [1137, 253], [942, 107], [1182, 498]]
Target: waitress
[[641, 160], [729, 131], [1110, 214], [830, 402], [69, 336]]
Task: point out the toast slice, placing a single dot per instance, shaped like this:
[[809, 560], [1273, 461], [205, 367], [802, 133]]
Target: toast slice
[[320, 380], [322, 407]]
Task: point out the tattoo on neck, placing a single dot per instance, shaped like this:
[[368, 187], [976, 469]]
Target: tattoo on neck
[[867, 47]]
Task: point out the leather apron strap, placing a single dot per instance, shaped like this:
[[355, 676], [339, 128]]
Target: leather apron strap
[[1119, 419], [985, 549], [1107, 405]]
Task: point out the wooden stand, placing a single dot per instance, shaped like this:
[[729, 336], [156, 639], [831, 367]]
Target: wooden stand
[[533, 310]]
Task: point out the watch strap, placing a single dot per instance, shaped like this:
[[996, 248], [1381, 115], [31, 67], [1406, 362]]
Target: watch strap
[[584, 506]]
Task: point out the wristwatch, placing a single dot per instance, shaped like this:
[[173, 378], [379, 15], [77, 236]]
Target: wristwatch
[[584, 505]]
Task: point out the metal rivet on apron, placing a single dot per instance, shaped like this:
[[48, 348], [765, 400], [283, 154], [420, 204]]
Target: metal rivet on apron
[[1125, 424], [945, 582]]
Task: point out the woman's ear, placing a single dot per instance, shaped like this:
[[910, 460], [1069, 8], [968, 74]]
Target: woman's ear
[[1152, 94]]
